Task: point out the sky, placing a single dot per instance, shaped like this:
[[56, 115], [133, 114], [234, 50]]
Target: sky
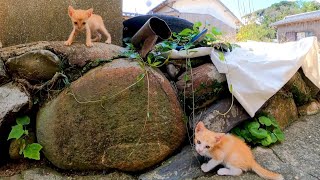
[[238, 7]]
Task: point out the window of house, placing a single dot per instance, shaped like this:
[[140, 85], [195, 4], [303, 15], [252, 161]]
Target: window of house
[[291, 36], [304, 34], [309, 33]]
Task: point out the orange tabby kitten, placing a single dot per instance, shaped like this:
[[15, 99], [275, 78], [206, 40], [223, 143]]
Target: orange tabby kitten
[[86, 20], [230, 151]]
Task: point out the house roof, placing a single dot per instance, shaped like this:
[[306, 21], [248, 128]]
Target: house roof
[[303, 17], [167, 2]]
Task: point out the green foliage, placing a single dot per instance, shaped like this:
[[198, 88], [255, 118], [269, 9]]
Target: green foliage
[[263, 130], [159, 56], [32, 151], [253, 32], [258, 27], [19, 131]]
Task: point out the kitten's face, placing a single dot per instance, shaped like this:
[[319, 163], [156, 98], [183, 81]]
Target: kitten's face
[[79, 17], [202, 144], [204, 139]]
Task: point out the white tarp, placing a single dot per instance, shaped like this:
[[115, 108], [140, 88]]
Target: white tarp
[[257, 70]]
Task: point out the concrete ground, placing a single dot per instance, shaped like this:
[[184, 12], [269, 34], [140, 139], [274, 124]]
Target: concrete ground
[[297, 158]]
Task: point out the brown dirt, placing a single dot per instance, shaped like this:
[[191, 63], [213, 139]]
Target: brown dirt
[[15, 167]]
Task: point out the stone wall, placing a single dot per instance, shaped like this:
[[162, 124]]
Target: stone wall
[[48, 20]]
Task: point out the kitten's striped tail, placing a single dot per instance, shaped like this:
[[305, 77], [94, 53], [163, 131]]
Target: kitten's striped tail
[[264, 173]]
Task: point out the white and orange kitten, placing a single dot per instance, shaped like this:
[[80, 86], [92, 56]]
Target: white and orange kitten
[[230, 151], [91, 23]]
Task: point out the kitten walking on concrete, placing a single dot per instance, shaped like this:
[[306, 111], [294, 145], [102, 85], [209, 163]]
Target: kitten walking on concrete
[[230, 151], [91, 23]]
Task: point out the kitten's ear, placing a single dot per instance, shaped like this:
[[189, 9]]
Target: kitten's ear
[[70, 11], [219, 136], [90, 11], [200, 126]]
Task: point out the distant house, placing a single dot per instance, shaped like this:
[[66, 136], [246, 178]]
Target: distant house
[[209, 12], [298, 26]]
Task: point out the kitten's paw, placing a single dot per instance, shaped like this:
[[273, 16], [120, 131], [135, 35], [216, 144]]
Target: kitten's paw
[[205, 168], [89, 44], [67, 43], [223, 171], [108, 41]]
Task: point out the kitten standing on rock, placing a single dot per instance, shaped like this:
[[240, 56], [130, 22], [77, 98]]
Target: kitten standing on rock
[[91, 23], [230, 151]]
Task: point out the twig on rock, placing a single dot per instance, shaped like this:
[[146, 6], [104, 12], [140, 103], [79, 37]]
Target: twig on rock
[[51, 82]]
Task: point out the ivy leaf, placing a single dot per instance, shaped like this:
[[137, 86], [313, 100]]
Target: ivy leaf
[[16, 132], [246, 135], [259, 133], [156, 63], [273, 137], [264, 120], [279, 134], [274, 121], [24, 120], [266, 141], [256, 131], [32, 151], [253, 125], [185, 32]]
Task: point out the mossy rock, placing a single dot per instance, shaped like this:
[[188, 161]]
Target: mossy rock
[[201, 87], [98, 124], [35, 65], [282, 107], [299, 89]]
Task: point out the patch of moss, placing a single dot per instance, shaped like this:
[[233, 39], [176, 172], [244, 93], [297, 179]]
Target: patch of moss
[[299, 97], [205, 94]]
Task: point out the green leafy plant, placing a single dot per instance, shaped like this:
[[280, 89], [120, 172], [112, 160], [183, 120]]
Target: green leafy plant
[[263, 130], [19, 132], [159, 55]]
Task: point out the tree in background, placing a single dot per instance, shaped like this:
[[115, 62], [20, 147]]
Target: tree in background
[[259, 21]]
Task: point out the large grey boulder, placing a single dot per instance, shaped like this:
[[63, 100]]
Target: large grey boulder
[[77, 54], [100, 123], [12, 100], [35, 65]]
